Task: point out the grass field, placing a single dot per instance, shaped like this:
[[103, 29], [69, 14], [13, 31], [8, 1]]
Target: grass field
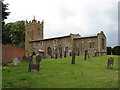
[[60, 73]]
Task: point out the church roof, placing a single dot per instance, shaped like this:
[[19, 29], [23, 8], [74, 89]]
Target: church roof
[[75, 37], [49, 39]]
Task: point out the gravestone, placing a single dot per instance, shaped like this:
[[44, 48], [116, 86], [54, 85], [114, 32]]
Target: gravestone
[[110, 63], [85, 55], [73, 58], [16, 61], [34, 64], [95, 53]]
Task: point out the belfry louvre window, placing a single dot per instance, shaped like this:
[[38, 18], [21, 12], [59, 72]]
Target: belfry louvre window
[[92, 45]]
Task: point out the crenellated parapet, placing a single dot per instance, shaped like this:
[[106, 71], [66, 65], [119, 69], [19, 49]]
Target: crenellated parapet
[[34, 22]]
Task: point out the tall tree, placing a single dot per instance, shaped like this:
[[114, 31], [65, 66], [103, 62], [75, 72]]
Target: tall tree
[[5, 14], [6, 34], [5, 28], [14, 34], [116, 50], [17, 32]]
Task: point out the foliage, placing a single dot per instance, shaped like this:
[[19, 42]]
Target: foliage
[[116, 50], [5, 14], [109, 50], [14, 34], [60, 73], [6, 34], [17, 31]]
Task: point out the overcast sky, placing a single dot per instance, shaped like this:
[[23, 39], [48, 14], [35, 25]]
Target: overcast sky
[[62, 17]]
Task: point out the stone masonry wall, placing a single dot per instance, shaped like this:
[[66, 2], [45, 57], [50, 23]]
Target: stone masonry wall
[[54, 44], [85, 45]]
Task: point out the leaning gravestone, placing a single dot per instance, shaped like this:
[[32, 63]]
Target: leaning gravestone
[[110, 63], [16, 61]]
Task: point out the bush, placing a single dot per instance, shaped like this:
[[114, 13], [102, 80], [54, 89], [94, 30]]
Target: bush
[[109, 50], [116, 50]]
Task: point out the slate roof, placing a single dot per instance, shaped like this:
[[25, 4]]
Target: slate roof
[[49, 39]]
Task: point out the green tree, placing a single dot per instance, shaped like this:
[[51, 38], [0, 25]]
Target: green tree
[[6, 34], [14, 34], [5, 14], [116, 50], [17, 33], [5, 28]]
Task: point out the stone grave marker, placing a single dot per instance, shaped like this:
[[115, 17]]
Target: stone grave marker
[[85, 55], [110, 63], [16, 61], [34, 64]]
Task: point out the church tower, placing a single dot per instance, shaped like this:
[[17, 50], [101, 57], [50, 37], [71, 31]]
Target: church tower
[[34, 31]]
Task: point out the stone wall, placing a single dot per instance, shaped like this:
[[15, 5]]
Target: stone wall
[[83, 44], [54, 45]]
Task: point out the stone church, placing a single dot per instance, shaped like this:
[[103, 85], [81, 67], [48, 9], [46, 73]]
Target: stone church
[[63, 46]]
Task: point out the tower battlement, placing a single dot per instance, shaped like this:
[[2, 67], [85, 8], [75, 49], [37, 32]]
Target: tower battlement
[[34, 22]]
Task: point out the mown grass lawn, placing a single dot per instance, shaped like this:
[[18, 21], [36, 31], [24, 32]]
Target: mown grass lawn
[[60, 73]]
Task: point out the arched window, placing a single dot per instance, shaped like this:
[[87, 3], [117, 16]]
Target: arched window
[[49, 51], [103, 44]]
